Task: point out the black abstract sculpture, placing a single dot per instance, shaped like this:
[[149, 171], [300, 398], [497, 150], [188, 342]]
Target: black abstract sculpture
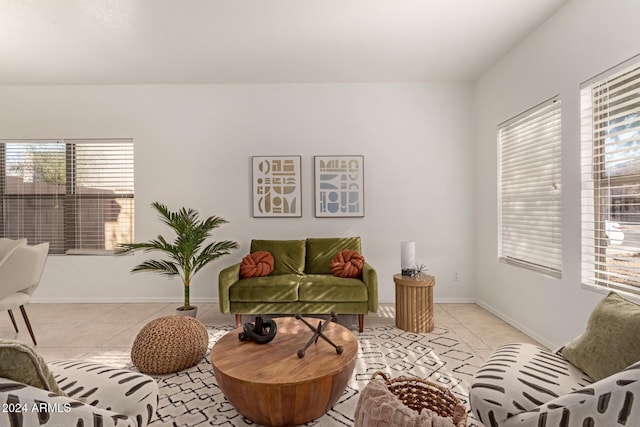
[[260, 332]]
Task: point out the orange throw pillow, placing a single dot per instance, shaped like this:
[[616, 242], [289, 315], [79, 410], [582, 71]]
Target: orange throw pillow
[[256, 264], [347, 263]]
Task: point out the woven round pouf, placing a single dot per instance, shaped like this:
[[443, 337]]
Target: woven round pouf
[[169, 344]]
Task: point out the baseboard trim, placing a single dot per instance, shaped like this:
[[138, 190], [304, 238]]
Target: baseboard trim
[[202, 300], [439, 301], [519, 326], [454, 300], [121, 300]]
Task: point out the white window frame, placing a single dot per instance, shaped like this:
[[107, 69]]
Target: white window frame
[[76, 194], [529, 189], [610, 144]]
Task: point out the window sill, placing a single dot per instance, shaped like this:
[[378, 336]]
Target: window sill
[[532, 267], [90, 252], [605, 291]]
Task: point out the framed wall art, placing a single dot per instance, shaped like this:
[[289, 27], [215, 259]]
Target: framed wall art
[[339, 186], [276, 186]]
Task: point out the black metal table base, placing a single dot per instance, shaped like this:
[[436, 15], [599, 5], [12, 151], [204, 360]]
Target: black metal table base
[[317, 333]]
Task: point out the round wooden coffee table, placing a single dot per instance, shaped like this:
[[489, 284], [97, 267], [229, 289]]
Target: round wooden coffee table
[[270, 385]]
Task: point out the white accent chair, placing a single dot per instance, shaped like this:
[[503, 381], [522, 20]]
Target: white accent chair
[[21, 268], [71, 392], [521, 385], [593, 381], [7, 246]]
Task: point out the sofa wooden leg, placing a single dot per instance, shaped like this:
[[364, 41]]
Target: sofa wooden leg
[[361, 322], [238, 320]]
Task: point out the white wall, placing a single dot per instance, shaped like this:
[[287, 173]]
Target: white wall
[[193, 145], [584, 38]]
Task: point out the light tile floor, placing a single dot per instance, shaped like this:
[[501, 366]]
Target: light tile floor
[[105, 332]]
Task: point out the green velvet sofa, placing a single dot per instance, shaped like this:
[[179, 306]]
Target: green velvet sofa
[[301, 282]]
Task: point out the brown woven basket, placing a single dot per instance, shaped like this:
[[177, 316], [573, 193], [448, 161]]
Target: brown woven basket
[[419, 394]]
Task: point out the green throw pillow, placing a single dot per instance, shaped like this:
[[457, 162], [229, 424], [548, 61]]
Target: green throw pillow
[[288, 255], [611, 341], [19, 362], [320, 252]]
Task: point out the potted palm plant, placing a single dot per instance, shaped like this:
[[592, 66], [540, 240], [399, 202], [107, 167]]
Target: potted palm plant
[[187, 253]]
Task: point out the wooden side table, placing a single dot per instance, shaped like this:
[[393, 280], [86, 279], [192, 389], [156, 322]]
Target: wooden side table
[[414, 302]]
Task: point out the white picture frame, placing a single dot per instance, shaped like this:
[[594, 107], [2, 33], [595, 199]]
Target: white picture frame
[[276, 186], [339, 186]]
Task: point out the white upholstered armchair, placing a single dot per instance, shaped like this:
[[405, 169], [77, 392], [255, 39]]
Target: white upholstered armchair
[[71, 392], [8, 245], [593, 381], [21, 268]]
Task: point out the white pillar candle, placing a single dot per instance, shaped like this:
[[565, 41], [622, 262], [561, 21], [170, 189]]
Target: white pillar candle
[[408, 255]]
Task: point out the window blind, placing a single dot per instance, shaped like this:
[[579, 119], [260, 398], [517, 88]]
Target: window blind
[[530, 211], [610, 122], [75, 194]]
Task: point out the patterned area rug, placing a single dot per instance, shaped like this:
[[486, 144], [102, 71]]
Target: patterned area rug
[[192, 397]]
